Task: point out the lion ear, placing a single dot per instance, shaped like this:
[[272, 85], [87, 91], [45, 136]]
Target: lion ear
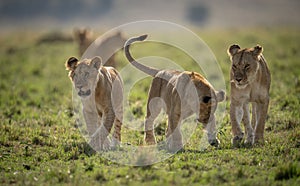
[[233, 49], [192, 74], [96, 62], [257, 50], [71, 63], [220, 95]]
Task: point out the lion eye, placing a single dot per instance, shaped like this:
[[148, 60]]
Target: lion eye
[[206, 99], [247, 67]]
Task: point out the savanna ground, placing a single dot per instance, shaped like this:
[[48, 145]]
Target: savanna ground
[[40, 143]]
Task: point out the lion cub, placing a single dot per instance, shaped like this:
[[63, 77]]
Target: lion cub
[[101, 91], [181, 94], [250, 83]]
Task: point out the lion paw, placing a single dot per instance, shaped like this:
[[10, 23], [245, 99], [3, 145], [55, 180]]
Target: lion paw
[[150, 140], [174, 145], [115, 144], [214, 142], [249, 141], [100, 145], [237, 140], [105, 145]]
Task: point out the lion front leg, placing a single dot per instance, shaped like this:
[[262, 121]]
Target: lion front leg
[[91, 119], [149, 130], [212, 132], [103, 131], [248, 128], [236, 114], [261, 112]]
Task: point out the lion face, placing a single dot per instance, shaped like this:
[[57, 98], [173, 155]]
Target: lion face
[[208, 98], [244, 65], [208, 105], [84, 74]]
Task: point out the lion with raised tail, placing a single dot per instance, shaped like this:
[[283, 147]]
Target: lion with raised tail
[[250, 81], [181, 94], [100, 89]]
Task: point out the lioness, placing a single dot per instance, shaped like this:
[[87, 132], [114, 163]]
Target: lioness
[[250, 82], [105, 48], [84, 37], [182, 94], [100, 90]]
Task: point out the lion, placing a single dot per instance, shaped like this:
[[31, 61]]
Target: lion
[[104, 48], [250, 81], [84, 37], [100, 89], [180, 94]]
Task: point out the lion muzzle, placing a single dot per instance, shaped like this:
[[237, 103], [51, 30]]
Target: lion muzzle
[[84, 93]]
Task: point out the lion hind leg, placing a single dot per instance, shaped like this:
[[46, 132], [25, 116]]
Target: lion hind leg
[[254, 115], [154, 107], [261, 112], [117, 133]]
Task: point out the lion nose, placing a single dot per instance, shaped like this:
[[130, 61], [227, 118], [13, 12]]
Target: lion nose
[[214, 142], [238, 79]]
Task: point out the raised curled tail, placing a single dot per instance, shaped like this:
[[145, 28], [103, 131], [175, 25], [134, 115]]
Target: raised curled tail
[[148, 70]]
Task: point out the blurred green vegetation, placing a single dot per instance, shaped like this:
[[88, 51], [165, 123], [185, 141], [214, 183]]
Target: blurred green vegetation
[[40, 143]]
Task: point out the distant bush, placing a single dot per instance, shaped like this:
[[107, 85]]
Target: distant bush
[[198, 13]]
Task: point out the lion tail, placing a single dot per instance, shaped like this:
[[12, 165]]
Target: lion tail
[[148, 70]]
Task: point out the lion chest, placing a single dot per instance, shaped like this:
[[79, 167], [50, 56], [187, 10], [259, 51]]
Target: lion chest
[[254, 93], [102, 99]]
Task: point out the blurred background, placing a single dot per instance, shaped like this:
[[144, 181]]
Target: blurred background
[[40, 143], [106, 14]]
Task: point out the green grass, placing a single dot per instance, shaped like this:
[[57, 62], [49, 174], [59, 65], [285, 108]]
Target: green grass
[[40, 143]]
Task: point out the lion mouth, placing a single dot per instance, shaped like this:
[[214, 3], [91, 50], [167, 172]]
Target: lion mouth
[[241, 85], [84, 93]]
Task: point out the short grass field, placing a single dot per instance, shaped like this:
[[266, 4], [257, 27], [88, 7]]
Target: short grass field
[[40, 143]]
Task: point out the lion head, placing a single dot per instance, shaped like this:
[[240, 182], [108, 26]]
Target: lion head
[[84, 74], [245, 64], [208, 98], [83, 35]]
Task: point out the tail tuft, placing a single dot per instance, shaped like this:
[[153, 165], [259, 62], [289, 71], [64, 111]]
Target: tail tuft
[[142, 37]]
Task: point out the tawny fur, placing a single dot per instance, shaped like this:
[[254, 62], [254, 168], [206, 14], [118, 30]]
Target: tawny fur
[[181, 94], [250, 81], [101, 91]]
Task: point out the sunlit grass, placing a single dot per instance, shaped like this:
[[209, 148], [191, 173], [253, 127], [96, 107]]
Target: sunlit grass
[[40, 143]]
